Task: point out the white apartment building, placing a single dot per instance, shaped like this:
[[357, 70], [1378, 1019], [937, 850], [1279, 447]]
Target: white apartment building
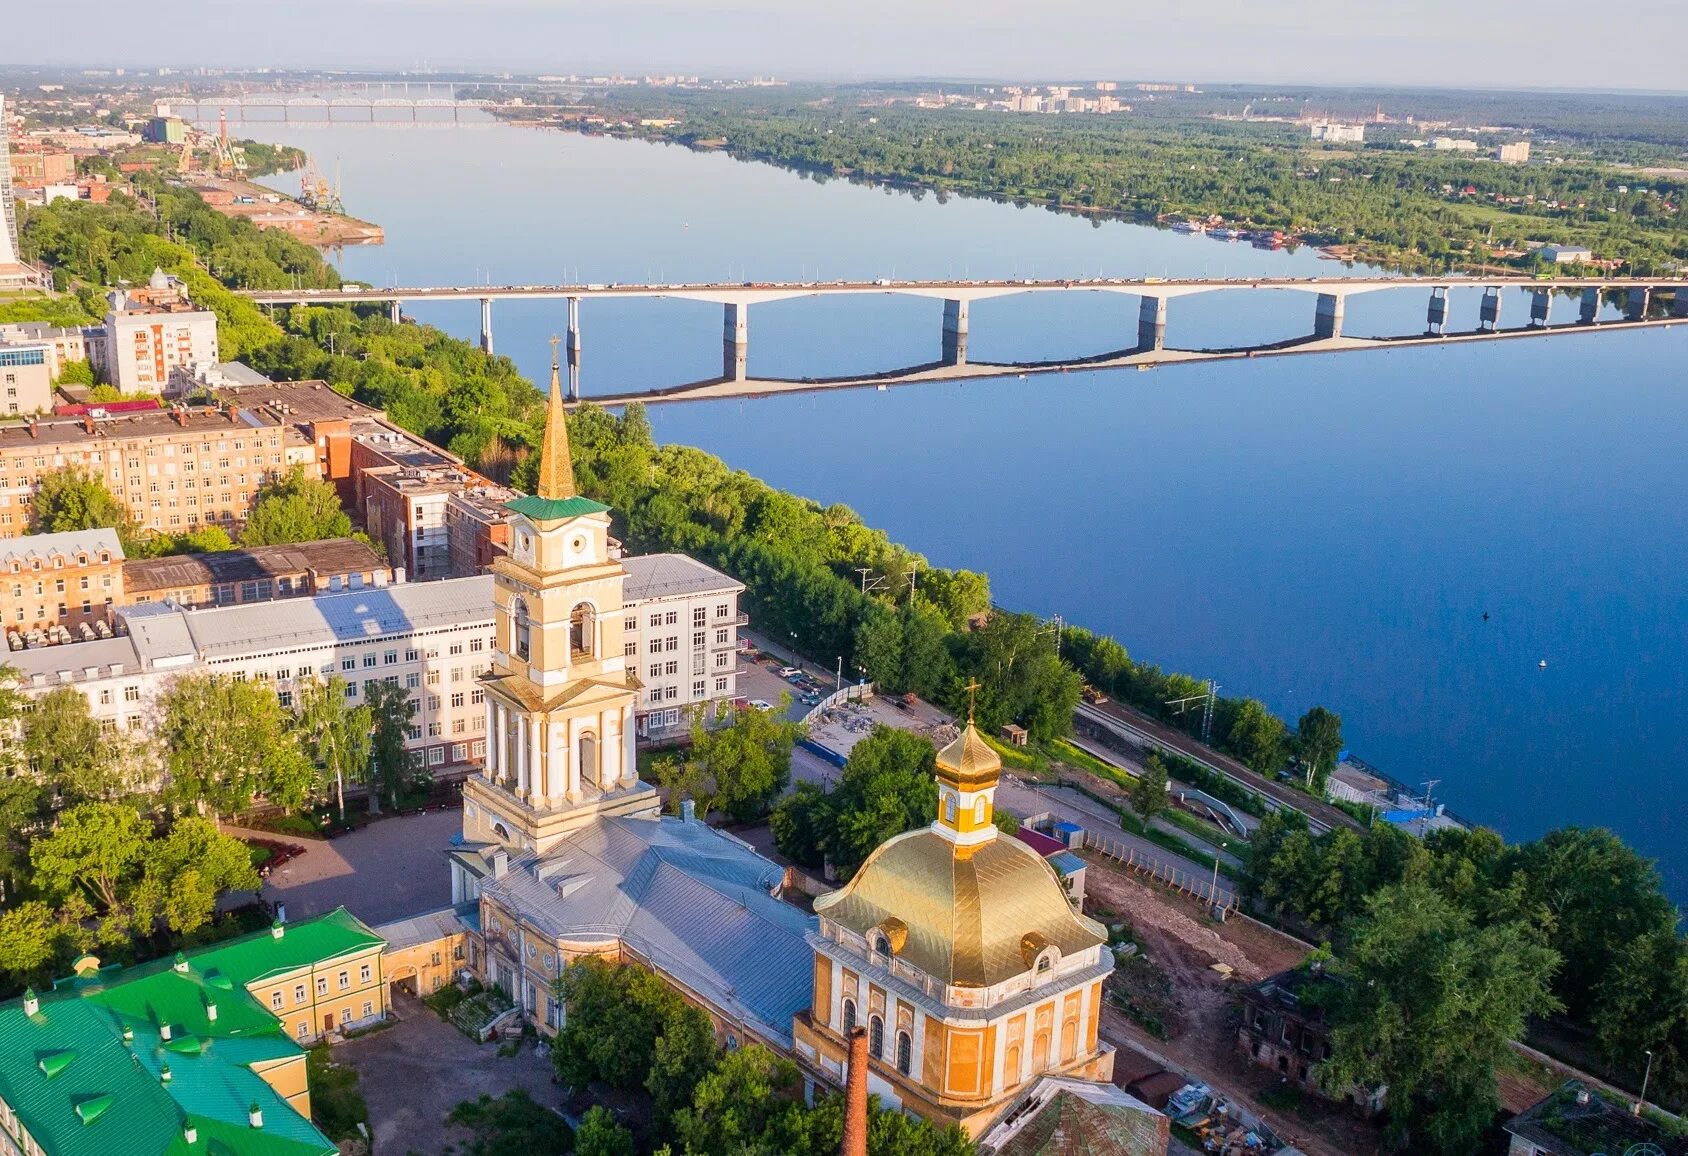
[[26, 378], [65, 343], [682, 638], [433, 638], [150, 332]]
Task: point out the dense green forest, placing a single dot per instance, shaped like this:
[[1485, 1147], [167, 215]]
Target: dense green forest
[[1388, 203]]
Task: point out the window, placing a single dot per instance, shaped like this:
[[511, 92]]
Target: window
[[673, 643], [348, 664], [656, 620], [304, 1029], [720, 685], [656, 670], [697, 688], [905, 1052], [410, 656], [369, 659], [436, 756], [698, 637], [881, 945], [412, 680], [721, 610], [456, 698], [455, 648], [876, 1037], [298, 993], [848, 1020], [131, 694], [345, 980], [275, 1000], [433, 702], [671, 667], [630, 650], [363, 974], [368, 1009], [721, 636], [519, 614], [672, 618], [699, 616], [390, 658], [322, 985]]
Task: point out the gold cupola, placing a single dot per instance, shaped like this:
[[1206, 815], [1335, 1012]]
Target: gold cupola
[[967, 772]]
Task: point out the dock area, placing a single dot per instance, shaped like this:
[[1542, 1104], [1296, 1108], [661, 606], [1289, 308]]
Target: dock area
[[268, 209]]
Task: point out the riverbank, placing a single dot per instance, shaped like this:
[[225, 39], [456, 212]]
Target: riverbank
[[265, 208]]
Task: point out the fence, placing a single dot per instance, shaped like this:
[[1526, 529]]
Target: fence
[[1153, 868], [857, 692]]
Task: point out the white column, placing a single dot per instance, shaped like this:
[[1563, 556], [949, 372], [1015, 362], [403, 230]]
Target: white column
[[629, 755], [521, 760], [501, 739], [489, 765], [539, 775]]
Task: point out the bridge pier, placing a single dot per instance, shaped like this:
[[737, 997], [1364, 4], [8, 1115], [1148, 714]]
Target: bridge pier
[[1327, 316], [393, 313], [1590, 306], [735, 340], [1436, 320], [574, 327], [955, 332], [486, 326], [1639, 298], [1490, 315], [1541, 307], [1151, 323]]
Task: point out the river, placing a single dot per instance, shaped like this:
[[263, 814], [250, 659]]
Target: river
[[1323, 529]]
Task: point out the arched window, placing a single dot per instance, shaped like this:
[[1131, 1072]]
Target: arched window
[[881, 945], [876, 1036], [979, 811], [582, 629], [949, 808], [523, 641], [905, 1052], [848, 1020], [1045, 961], [589, 760]]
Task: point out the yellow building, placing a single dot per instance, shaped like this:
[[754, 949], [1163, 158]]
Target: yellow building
[[960, 954], [319, 976], [560, 697]]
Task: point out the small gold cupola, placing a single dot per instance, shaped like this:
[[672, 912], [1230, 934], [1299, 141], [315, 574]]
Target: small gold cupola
[[967, 772]]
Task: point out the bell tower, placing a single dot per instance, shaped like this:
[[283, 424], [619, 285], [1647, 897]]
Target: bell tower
[[560, 696], [967, 772]]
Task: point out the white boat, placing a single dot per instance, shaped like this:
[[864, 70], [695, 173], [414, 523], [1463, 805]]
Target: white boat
[[1188, 227]]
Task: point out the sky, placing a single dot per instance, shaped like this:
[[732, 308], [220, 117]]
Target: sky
[[1456, 43]]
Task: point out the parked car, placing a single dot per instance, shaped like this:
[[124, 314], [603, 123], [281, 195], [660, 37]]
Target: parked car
[[761, 704], [789, 671]]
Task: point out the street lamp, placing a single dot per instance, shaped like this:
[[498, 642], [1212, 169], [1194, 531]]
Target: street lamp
[[1645, 1077], [1213, 892]]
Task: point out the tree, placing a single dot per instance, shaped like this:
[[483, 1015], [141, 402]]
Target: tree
[[227, 741], [390, 708], [600, 1135], [295, 507], [511, 1125], [616, 1014], [339, 735], [1150, 793], [73, 498], [1428, 1003], [66, 748], [1257, 736], [751, 1094], [1318, 740], [800, 824], [681, 1055], [743, 766], [1021, 678], [887, 788], [28, 934], [1642, 1006], [96, 848], [185, 872]]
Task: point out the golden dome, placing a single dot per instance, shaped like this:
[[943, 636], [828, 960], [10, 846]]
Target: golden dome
[[968, 911], [969, 760]]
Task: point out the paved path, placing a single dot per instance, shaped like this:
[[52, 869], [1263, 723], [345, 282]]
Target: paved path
[[415, 1073], [386, 871]]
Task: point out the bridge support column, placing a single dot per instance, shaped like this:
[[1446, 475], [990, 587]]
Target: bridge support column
[[1437, 318], [393, 311], [1639, 297], [735, 340], [1327, 316], [955, 332], [1541, 307], [574, 328], [1490, 315], [1590, 306], [1151, 323], [486, 326]]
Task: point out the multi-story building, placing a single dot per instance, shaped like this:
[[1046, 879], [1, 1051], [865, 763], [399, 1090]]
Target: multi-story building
[[433, 638], [67, 343], [1513, 153], [201, 1055], [34, 169], [254, 574], [1333, 133], [434, 515], [67, 579], [26, 378], [682, 637], [150, 331], [11, 265], [181, 468]]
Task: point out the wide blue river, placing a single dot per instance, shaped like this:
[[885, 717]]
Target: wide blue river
[[1320, 529]]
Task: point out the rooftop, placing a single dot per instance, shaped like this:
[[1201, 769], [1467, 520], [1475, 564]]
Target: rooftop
[[427, 927], [133, 1061], [330, 556], [183, 422], [555, 509], [1579, 1120], [66, 544], [686, 898], [1065, 1117], [296, 401], [670, 576]]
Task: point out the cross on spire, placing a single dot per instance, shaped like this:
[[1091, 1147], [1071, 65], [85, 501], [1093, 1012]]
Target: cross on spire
[[972, 689]]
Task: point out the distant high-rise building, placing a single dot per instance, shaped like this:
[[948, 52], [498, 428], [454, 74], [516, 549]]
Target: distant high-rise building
[[8, 211]]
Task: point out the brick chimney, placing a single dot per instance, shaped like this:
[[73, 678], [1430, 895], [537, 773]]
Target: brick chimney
[[855, 1097], [88, 423], [34, 428]]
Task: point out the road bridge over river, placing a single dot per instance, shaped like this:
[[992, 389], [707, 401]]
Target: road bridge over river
[[1641, 303]]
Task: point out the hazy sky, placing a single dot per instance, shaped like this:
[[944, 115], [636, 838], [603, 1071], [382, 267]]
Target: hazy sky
[[1473, 43]]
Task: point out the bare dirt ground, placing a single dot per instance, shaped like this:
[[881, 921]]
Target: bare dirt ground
[[1177, 936]]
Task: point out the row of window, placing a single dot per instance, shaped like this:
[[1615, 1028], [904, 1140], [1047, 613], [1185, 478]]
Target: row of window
[[300, 990], [876, 1038]]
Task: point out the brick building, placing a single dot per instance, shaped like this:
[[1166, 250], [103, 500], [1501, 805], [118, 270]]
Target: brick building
[[66, 579], [255, 574]]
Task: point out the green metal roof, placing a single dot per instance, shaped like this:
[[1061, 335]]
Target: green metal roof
[[81, 1089], [311, 941], [554, 509]]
